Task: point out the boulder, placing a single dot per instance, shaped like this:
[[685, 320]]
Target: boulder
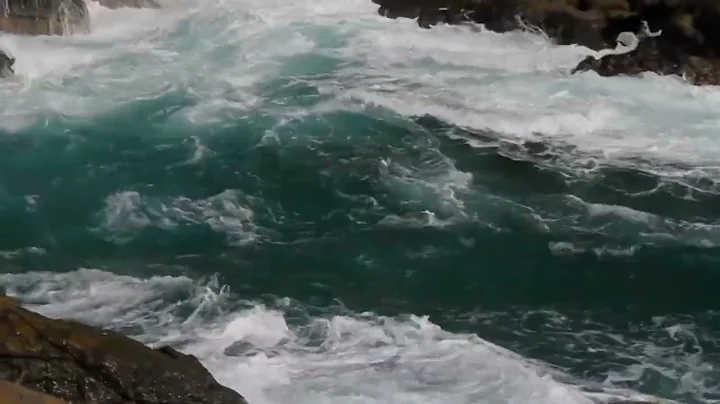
[[6, 65], [128, 3], [689, 44], [69, 362], [44, 17]]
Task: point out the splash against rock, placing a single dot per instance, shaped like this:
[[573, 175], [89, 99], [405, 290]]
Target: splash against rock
[[52, 17], [45, 17], [55, 17], [689, 44]]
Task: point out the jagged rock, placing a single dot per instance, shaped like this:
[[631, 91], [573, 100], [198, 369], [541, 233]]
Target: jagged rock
[[689, 43], [76, 363], [655, 56], [6, 65], [129, 3], [567, 21], [44, 17]]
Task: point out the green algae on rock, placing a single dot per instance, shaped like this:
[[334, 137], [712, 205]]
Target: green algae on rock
[[78, 363]]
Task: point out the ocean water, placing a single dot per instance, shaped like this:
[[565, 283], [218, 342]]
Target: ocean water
[[330, 207]]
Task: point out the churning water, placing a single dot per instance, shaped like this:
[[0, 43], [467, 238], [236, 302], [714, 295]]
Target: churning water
[[327, 206]]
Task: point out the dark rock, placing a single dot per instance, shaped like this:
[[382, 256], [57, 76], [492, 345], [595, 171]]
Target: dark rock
[[44, 17], [567, 21], [15, 393], [6, 70], [78, 364], [655, 56], [689, 43]]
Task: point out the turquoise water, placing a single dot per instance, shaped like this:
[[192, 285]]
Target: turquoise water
[[328, 206]]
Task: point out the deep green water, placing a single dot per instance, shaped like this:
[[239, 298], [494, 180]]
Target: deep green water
[[603, 269]]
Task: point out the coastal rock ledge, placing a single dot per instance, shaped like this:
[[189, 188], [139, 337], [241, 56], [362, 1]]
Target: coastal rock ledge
[[56, 17], [51, 361], [44, 17], [688, 44]]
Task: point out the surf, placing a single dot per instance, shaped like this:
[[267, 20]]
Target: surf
[[243, 126]]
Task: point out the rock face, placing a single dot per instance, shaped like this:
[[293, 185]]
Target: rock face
[[44, 17], [592, 23], [6, 65], [689, 43], [65, 362], [55, 17]]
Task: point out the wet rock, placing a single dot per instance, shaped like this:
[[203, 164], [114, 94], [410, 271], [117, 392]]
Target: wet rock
[[655, 56], [128, 3], [689, 43], [15, 393], [76, 363], [584, 22], [6, 66], [44, 17]]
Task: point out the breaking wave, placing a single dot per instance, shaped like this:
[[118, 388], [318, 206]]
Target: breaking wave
[[329, 206]]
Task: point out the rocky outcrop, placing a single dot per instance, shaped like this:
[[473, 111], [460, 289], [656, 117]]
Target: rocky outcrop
[[65, 362], [128, 3], [6, 65], [15, 393], [592, 23], [55, 17], [688, 44], [655, 56], [44, 17]]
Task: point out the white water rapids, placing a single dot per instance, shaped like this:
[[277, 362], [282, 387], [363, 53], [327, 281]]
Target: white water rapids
[[516, 84], [283, 356]]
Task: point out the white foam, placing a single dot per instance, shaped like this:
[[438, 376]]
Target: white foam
[[516, 84], [519, 86], [129, 212], [331, 359], [219, 54], [437, 186]]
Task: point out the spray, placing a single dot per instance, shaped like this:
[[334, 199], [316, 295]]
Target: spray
[[73, 17]]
